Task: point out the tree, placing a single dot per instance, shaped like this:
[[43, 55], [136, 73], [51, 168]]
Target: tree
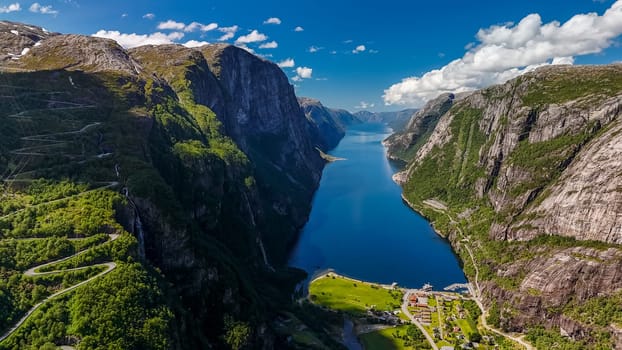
[[237, 333], [475, 337]]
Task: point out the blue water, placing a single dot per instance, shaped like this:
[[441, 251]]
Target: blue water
[[360, 227]]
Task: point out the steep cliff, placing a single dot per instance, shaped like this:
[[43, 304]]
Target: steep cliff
[[403, 145], [530, 171], [208, 146], [330, 124]]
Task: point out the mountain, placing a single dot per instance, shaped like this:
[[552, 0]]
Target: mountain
[[396, 120], [330, 124], [524, 180], [403, 145], [182, 175]]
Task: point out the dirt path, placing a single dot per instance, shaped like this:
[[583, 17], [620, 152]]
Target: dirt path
[[476, 292]]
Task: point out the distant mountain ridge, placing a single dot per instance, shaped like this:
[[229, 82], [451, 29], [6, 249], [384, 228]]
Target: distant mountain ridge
[[396, 120], [331, 124]]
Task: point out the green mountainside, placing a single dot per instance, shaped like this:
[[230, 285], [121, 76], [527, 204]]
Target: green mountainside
[[165, 185], [524, 180]]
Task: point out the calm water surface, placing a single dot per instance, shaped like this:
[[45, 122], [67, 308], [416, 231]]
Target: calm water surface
[[360, 227]]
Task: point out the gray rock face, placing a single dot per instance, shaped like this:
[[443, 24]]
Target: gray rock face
[[262, 104], [546, 161], [32, 48], [586, 202], [403, 145], [17, 37]]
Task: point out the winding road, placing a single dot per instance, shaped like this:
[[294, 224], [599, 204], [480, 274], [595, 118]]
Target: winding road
[[32, 272], [476, 292], [28, 152]]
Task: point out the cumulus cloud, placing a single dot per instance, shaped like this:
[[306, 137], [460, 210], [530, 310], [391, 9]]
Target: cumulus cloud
[[229, 32], [288, 63], [134, 40], [365, 105], [46, 10], [149, 16], [195, 43], [272, 20], [506, 51], [299, 29], [192, 27], [270, 45], [314, 49], [304, 73], [359, 49], [200, 26], [11, 8], [171, 25], [252, 37]]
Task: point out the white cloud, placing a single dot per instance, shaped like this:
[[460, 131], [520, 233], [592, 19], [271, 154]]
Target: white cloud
[[11, 8], [270, 45], [149, 16], [229, 32], [194, 43], [297, 78], [171, 25], [373, 51], [248, 49], [359, 49], [314, 49], [46, 10], [304, 72], [507, 51], [349, 41], [192, 27], [272, 20], [299, 29], [252, 37], [288, 63], [199, 26], [365, 105], [123, 15], [133, 40]]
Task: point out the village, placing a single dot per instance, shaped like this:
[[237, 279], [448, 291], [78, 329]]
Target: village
[[448, 319]]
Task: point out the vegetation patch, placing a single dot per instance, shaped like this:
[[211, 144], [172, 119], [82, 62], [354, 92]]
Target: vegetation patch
[[354, 297]]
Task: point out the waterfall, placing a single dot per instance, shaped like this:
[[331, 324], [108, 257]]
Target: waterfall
[[138, 224], [259, 241], [138, 228]]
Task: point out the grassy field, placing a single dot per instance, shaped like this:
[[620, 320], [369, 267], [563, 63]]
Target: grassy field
[[398, 338], [339, 293], [383, 339]]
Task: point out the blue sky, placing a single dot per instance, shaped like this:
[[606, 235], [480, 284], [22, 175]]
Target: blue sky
[[405, 48]]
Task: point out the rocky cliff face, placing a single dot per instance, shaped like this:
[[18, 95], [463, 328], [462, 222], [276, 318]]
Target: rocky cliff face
[[531, 170], [329, 124], [404, 144], [215, 155]]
